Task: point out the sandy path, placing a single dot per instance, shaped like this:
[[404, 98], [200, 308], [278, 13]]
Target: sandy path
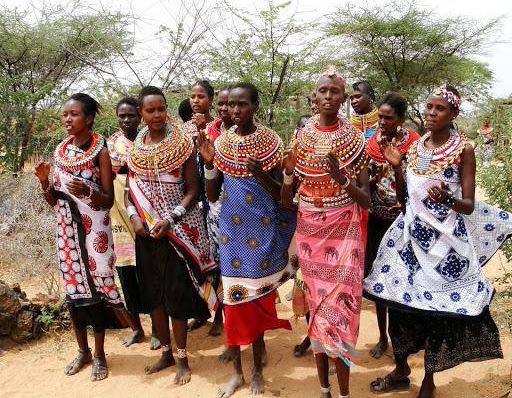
[[36, 369]]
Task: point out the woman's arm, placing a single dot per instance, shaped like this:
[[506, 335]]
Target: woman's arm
[[42, 172], [191, 175], [271, 180], [207, 151]]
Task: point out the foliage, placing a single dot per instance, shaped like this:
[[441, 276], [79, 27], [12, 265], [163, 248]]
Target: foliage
[[400, 46], [41, 58], [278, 53], [496, 176], [55, 316]]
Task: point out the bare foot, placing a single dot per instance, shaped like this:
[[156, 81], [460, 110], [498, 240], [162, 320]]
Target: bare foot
[[99, 368], [226, 356], [227, 390], [216, 329], [196, 324], [82, 359], [257, 384], [136, 337], [165, 361], [154, 344], [183, 372], [380, 348]]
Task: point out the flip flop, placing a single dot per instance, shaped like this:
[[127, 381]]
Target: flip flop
[[387, 383]]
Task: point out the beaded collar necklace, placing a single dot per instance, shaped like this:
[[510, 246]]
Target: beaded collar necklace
[[232, 150], [367, 121], [431, 161], [118, 148], [164, 156], [315, 142], [75, 160]]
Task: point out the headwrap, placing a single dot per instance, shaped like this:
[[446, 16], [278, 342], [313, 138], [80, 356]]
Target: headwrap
[[332, 72], [448, 95]]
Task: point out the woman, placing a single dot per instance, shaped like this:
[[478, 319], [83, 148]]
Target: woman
[[365, 116], [255, 230], [428, 268], [488, 136], [119, 145], [172, 247], [82, 193], [329, 162], [385, 207]]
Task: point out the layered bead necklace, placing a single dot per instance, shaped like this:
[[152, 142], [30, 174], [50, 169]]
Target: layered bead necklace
[[315, 142], [70, 160], [232, 150], [367, 121], [431, 161]]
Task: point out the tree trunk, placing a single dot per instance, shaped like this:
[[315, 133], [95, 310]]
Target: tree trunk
[[27, 136]]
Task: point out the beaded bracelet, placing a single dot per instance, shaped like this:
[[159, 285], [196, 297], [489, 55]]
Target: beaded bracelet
[[47, 189], [211, 174], [132, 211], [180, 211], [287, 178], [346, 183]]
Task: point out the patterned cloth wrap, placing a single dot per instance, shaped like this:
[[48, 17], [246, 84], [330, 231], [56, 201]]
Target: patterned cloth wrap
[[85, 247], [330, 236], [158, 192], [255, 230], [385, 204], [118, 148], [431, 258]]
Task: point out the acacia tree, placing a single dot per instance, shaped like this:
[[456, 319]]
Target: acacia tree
[[270, 47], [400, 46], [42, 53]]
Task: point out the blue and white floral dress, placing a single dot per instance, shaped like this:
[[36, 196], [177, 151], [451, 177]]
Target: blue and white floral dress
[[430, 261]]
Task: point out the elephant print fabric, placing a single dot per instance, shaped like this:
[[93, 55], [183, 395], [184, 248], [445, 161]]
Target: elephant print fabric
[[331, 254]]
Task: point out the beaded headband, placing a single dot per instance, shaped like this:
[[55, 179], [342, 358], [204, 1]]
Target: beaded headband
[[448, 95], [332, 72]]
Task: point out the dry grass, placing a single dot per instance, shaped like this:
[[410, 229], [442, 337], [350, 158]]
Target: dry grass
[[27, 233]]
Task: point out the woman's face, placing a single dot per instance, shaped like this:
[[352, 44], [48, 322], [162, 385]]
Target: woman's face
[[388, 120], [241, 108], [330, 94], [128, 118], [222, 106], [199, 100], [439, 113], [74, 119], [361, 102], [154, 112]]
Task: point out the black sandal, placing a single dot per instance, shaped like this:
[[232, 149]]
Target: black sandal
[[99, 368], [82, 359], [387, 383]]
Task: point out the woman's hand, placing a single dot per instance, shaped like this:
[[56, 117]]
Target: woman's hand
[[42, 171], [439, 194], [78, 188], [199, 120], [255, 166], [390, 151], [290, 159], [160, 229], [334, 168], [139, 226], [205, 147]]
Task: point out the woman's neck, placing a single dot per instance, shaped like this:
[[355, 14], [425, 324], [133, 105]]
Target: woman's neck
[[438, 138], [246, 129], [82, 137], [227, 126], [131, 135], [154, 137], [327, 120], [398, 134]]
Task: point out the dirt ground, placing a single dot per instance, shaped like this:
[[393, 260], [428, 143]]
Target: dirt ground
[[36, 369]]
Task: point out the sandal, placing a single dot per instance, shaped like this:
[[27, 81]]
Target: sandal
[[99, 369], [387, 383], [83, 358]]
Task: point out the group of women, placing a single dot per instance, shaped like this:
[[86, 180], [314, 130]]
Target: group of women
[[213, 204]]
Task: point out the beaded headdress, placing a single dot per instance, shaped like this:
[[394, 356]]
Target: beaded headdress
[[332, 72], [448, 95]]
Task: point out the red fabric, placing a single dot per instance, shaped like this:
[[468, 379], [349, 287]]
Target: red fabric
[[214, 129], [245, 322], [373, 149]]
